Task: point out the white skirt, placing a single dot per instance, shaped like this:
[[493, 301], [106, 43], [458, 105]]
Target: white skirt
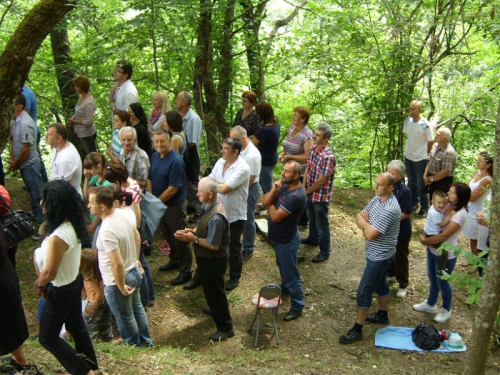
[[471, 227], [482, 239]]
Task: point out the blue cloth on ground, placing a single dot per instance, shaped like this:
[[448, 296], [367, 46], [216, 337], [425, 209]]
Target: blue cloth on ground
[[400, 338]]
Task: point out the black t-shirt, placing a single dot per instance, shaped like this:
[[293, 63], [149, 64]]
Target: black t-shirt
[[403, 195], [269, 137], [292, 201]]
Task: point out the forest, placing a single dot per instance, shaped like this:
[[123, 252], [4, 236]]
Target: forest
[[356, 64]]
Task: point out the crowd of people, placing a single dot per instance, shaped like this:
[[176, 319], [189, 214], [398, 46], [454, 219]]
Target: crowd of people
[[105, 261]]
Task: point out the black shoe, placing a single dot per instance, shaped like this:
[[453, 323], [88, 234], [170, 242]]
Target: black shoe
[[194, 283], [308, 241], [247, 254], [206, 310], [232, 283], [146, 249], [377, 318], [221, 336], [181, 279], [422, 214], [351, 336], [292, 315], [320, 257], [12, 367], [169, 267]]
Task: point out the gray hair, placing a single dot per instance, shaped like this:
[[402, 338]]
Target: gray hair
[[162, 131], [210, 185], [186, 97], [240, 130], [446, 132], [128, 129], [325, 128], [397, 164]]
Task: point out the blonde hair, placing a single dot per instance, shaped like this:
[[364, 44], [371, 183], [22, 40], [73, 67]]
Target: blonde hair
[[164, 100]]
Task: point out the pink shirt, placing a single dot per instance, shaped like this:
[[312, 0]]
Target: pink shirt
[[459, 218]]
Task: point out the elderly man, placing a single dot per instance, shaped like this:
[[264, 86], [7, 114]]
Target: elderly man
[[123, 93], [318, 182], [211, 248], [232, 173], [438, 174], [66, 162], [166, 181], [286, 202], [191, 124], [135, 159], [379, 222], [418, 145], [251, 155]]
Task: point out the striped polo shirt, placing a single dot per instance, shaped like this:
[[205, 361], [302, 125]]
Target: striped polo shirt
[[384, 217]]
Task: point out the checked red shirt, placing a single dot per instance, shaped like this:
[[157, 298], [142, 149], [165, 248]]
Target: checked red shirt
[[321, 161]]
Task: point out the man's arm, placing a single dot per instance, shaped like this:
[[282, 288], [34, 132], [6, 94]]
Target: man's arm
[[112, 95], [149, 186], [168, 193], [118, 270], [270, 197], [23, 156], [369, 232], [317, 184], [277, 214]]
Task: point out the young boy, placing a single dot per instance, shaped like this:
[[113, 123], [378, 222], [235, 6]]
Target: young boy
[[436, 220]]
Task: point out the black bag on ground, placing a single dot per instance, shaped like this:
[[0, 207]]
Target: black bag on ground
[[426, 337], [192, 163]]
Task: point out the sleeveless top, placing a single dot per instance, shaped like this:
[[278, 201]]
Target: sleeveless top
[[184, 143], [476, 206], [202, 230]]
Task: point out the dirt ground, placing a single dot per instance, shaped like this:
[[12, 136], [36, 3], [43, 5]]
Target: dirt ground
[[308, 345]]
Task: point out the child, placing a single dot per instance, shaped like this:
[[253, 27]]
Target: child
[[96, 312], [436, 220]]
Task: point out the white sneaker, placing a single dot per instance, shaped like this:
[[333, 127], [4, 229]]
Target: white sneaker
[[390, 280], [425, 307], [401, 293], [443, 316]]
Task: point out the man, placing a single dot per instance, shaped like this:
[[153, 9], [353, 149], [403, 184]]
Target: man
[[438, 174], [66, 162], [118, 245], [23, 156], [418, 145], [123, 93], [135, 159], [318, 183], [211, 248], [232, 173], [379, 222], [286, 202], [166, 181], [252, 156], [192, 127]]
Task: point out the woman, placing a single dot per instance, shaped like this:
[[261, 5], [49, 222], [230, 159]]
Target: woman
[[5, 207], [480, 186], [140, 123], [120, 119], [60, 281], [173, 124], [246, 116], [458, 198], [266, 140], [161, 105], [83, 119], [399, 269]]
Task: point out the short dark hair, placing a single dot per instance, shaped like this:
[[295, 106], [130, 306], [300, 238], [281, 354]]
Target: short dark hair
[[116, 172], [82, 82], [266, 113], [174, 121], [60, 130], [251, 96], [234, 143], [21, 100], [126, 66], [123, 115], [104, 195]]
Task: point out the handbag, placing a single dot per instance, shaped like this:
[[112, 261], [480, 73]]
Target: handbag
[[15, 225], [192, 163], [152, 210]]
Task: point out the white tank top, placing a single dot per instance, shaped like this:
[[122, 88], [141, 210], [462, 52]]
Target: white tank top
[[475, 207]]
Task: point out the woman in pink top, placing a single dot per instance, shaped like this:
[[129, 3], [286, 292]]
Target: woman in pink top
[[298, 141]]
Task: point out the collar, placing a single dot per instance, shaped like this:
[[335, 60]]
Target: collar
[[320, 149], [206, 208], [440, 148]]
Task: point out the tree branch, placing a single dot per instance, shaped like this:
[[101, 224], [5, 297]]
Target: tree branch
[[6, 11]]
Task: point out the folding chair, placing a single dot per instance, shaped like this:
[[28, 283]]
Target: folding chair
[[268, 298]]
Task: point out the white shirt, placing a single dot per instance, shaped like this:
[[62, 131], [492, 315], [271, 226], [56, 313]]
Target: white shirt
[[125, 95], [434, 218], [67, 165], [251, 155], [418, 134], [237, 177], [70, 264]]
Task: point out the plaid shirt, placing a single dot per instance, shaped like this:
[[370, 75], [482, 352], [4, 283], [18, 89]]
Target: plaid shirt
[[321, 162], [442, 158], [137, 163]]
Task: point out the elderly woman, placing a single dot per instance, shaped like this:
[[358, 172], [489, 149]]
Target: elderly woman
[[458, 199], [60, 281], [246, 116], [161, 105], [399, 269], [83, 119], [140, 124]]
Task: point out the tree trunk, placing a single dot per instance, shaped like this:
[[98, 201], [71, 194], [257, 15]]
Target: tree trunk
[[17, 57], [484, 321]]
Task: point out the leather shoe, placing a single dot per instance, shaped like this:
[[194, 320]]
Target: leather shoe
[[221, 336], [206, 310], [292, 315], [232, 283], [308, 241], [320, 257], [181, 279], [194, 283], [169, 267]]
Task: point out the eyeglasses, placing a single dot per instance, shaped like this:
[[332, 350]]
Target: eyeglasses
[[118, 71]]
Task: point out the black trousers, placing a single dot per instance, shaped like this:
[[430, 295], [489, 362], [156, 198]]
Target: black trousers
[[211, 273], [443, 185], [235, 248], [64, 306], [400, 267]]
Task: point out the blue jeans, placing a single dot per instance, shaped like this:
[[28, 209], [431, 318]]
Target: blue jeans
[[438, 285], [319, 227], [266, 178], [32, 178], [373, 280], [249, 227], [147, 288], [130, 315], [286, 257], [415, 172]]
